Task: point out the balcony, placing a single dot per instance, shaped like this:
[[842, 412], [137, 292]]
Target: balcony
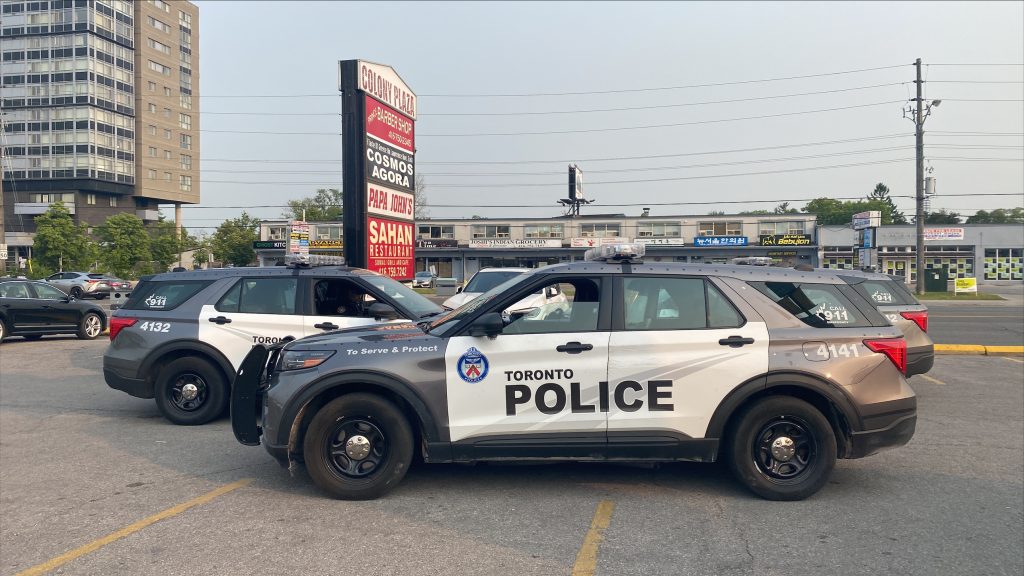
[[35, 208]]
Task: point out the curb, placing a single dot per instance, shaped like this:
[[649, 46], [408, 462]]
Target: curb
[[979, 350]]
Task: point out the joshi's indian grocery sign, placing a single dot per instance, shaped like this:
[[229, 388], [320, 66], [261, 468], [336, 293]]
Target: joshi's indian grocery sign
[[378, 173]]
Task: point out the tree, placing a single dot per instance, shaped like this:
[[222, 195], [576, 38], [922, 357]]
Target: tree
[[166, 244], [422, 211], [201, 252], [60, 244], [832, 212], [232, 241], [941, 217], [754, 212], [125, 245], [325, 206], [998, 216], [881, 194], [785, 209]]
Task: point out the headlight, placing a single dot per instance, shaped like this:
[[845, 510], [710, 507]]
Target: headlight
[[302, 359]]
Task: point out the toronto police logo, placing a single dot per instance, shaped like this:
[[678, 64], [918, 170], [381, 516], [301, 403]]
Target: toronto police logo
[[472, 366]]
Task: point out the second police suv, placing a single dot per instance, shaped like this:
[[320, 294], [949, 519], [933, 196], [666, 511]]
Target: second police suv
[[778, 371]]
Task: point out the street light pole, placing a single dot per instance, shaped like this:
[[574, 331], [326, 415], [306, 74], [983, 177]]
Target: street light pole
[[919, 178]]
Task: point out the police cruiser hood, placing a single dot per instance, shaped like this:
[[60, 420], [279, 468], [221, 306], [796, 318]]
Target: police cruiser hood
[[375, 334]]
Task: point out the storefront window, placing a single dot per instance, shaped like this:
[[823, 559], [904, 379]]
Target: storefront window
[[734, 228], [491, 231], [432, 231], [599, 230], [785, 227]]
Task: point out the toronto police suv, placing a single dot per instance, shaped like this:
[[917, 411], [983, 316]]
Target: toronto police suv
[[181, 336], [778, 371]]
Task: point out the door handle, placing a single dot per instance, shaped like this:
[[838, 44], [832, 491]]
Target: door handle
[[326, 326], [574, 347], [220, 320], [735, 341]]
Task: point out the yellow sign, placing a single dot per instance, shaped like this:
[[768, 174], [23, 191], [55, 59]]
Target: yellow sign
[[326, 244], [966, 285]]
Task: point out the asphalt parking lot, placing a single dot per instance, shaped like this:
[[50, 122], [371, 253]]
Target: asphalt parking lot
[[95, 482]]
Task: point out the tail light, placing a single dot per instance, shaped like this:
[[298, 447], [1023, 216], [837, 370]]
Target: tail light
[[919, 318], [119, 322], [895, 349], [91, 281]]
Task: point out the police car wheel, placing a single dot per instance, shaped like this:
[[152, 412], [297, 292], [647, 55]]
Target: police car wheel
[[191, 391], [358, 447], [782, 448]]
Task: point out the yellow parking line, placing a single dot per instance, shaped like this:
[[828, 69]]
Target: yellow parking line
[[1014, 360], [932, 380], [130, 529], [586, 559]]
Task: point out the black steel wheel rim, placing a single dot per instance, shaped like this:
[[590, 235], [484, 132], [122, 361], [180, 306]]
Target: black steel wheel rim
[[178, 394], [804, 447], [340, 460]]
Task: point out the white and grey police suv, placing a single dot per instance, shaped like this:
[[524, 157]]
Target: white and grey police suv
[[181, 336], [778, 371]]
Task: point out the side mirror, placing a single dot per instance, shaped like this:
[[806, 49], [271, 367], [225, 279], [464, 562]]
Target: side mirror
[[489, 324], [459, 290], [381, 311]]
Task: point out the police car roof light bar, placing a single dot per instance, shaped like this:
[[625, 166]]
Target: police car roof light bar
[[313, 260], [631, 253]]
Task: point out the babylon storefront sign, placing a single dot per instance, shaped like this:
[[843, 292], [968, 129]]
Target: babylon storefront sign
[[785, 240], [379, 168]]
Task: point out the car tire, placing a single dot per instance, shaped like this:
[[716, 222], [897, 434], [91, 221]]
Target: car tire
[[358, 447], [76, 293], [782, 448], [190, 391], [90, 327], [3, 330]]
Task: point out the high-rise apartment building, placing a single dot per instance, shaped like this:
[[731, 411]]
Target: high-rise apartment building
[[100, 109]]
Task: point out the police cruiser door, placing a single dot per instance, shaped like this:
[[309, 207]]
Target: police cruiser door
[[252, 311], [536, 388], [678, 347]]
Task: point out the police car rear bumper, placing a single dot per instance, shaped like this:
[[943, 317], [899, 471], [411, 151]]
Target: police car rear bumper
[[897, 433], [138, 387], [920, 359]]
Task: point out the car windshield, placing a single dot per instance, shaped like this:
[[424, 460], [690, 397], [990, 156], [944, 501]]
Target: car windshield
[[485, 280], [424, 275], [444, 323], [404, 296]]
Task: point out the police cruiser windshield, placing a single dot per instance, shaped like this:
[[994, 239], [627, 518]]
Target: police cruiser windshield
[[441, 325], [404, 295]]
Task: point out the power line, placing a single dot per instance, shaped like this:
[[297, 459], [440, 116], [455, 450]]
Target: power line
[[983, 64], [976, 81]]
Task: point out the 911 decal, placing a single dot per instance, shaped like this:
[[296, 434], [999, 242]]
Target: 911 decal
[[156, 326]]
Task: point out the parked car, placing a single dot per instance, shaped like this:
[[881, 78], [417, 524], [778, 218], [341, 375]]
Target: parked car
[[424, 280], [33, 309], [117, 284], [488, 278], [777, 372], [894, 301], [81, 284], [180, 336]]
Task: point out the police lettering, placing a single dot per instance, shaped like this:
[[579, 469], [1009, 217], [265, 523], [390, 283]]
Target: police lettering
[[551, 398]]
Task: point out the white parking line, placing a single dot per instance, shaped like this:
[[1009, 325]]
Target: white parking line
[[932, 380], [1013, 359]]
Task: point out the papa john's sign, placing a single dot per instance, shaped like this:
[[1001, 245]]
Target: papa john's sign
[[378, 168]]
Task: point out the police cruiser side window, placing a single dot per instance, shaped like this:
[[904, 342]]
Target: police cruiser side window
[[818, 305], [671, 303], [570, 305], [166, 295], [260, 296]]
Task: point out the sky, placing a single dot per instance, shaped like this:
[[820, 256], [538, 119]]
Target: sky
[[805, 100]]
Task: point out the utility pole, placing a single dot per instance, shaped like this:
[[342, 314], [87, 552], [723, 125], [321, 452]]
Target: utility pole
[[918, 113]]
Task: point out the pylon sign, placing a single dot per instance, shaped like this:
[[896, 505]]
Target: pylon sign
[[379, 168]]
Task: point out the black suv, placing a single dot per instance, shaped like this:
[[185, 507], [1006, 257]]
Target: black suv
[[181, 336]]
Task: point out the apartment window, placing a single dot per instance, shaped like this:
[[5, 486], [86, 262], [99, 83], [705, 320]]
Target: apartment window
[[186, 162], [603, 230], [90, 199], [167, 133], [734, 228], [151, 174], [543, 230], [658, 230], [152, 86], [491, 231], [186, 141], [185, 121], [167, 91], [168, 176], [151, 107], [186, 37], [786, 227], [276, 232], [159, 46], [157, 67], [51, 198], [113, 201], [186, 102], [184, 19], [167, 112], [152, 152], [430, 231], [161, 5], [185, 183], [151, 129], [159, 25]]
